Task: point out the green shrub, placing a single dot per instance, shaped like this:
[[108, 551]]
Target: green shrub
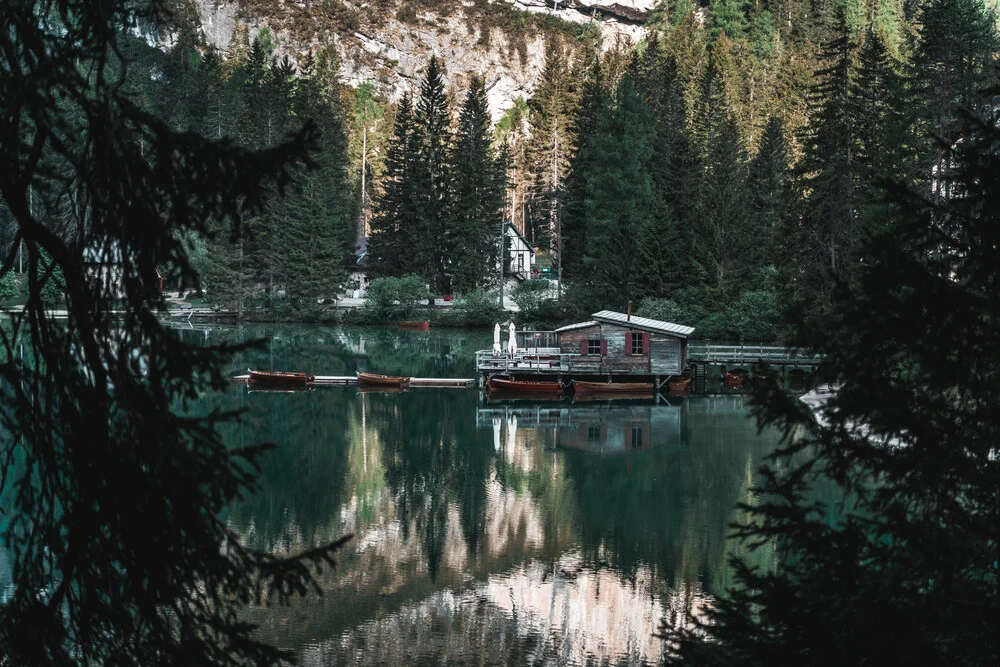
[[392, 299], [480, 308], [11, 287]]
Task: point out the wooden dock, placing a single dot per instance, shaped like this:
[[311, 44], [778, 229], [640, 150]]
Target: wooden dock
[[352, 380]]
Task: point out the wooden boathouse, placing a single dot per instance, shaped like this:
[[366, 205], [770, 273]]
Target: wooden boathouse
[[612, 346]]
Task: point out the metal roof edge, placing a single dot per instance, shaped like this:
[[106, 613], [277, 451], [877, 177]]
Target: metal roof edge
[[659, 326]]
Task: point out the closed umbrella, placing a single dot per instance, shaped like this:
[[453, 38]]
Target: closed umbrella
[[496, 340], [512, 343]]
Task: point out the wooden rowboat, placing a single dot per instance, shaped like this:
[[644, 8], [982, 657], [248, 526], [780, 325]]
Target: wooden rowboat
[[612, 387], [420, 326], [733, 379], [529, 386], [280, 379], [376, 380], [679, 384]]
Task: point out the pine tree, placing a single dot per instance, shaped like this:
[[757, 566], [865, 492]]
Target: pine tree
[[593, 102], [674, 168], [476, 196], [619, 201], [882, 140], [725, 225], [954, 60], [551, 147], [820, 245], [431, 138], [772, 192], [394, 226], [320, 234]]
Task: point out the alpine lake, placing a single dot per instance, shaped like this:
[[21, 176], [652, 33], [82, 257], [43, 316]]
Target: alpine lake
[[484, 532]]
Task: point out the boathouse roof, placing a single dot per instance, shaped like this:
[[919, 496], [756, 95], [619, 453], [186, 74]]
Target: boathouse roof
[[578, 325], [642, 323]]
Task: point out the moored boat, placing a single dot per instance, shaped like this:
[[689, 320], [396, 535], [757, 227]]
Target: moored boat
[[376, 380], [733, 379], [529, 386], [612, 387], [420, 326], [280, 379], [678, 383]]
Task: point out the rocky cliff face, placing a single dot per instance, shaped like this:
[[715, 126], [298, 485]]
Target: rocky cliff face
[[389, 42]]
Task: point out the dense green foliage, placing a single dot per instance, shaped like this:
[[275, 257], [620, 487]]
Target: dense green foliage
[[902, 568], [113, 474], [441, 207]]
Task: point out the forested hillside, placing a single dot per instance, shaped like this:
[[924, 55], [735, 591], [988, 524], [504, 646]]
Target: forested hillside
[[719, 172]]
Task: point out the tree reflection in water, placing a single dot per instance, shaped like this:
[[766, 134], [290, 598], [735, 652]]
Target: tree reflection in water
[[486, 531]]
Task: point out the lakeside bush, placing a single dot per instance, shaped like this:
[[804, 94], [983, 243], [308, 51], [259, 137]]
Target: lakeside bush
[[393, 299], [11, 287]]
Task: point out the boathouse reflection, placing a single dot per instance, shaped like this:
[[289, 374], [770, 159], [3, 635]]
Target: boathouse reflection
[[605, 427]]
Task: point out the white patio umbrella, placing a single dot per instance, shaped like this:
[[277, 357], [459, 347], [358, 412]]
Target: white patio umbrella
[[496, 340], [497, 424], [512, 343]]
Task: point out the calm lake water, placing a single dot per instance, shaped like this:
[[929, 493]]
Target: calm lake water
[[484, 532]]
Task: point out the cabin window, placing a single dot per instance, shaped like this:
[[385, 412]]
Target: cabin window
[[635, 343], [593, 434], [637, 437], [594, 346]]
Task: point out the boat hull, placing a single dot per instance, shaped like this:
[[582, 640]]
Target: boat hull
[[376, 380], [679, 385], [524, 386], [612, 387], [280, 379], [419, 326]]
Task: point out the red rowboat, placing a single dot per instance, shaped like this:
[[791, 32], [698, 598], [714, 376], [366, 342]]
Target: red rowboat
[[530, 386], [280, 379], [420, 326], [612, 387], [376, 380], [679, 384]]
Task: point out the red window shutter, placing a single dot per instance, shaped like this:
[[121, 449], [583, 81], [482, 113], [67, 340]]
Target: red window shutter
[[645, 344], [628, 436], [604, 348], [583, 346]]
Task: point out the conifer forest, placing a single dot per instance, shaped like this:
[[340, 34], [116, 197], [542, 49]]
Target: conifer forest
[[721, 172]]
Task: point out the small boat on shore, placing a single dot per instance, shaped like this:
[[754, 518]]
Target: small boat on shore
[[280, 379], [418, 326], [528, 386], [376, 380], [612, 387]]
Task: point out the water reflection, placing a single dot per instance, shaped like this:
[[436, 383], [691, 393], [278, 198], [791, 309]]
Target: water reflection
[[501, 531]]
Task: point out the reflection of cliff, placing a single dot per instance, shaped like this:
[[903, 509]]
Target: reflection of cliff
[[560, 613], [468, 521]]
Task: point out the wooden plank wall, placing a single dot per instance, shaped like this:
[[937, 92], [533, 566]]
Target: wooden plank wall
[[665, 354], [617, 360]]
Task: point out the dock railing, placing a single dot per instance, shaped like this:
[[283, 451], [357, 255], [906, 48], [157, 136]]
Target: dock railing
[[545, 360], [772, 354]]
